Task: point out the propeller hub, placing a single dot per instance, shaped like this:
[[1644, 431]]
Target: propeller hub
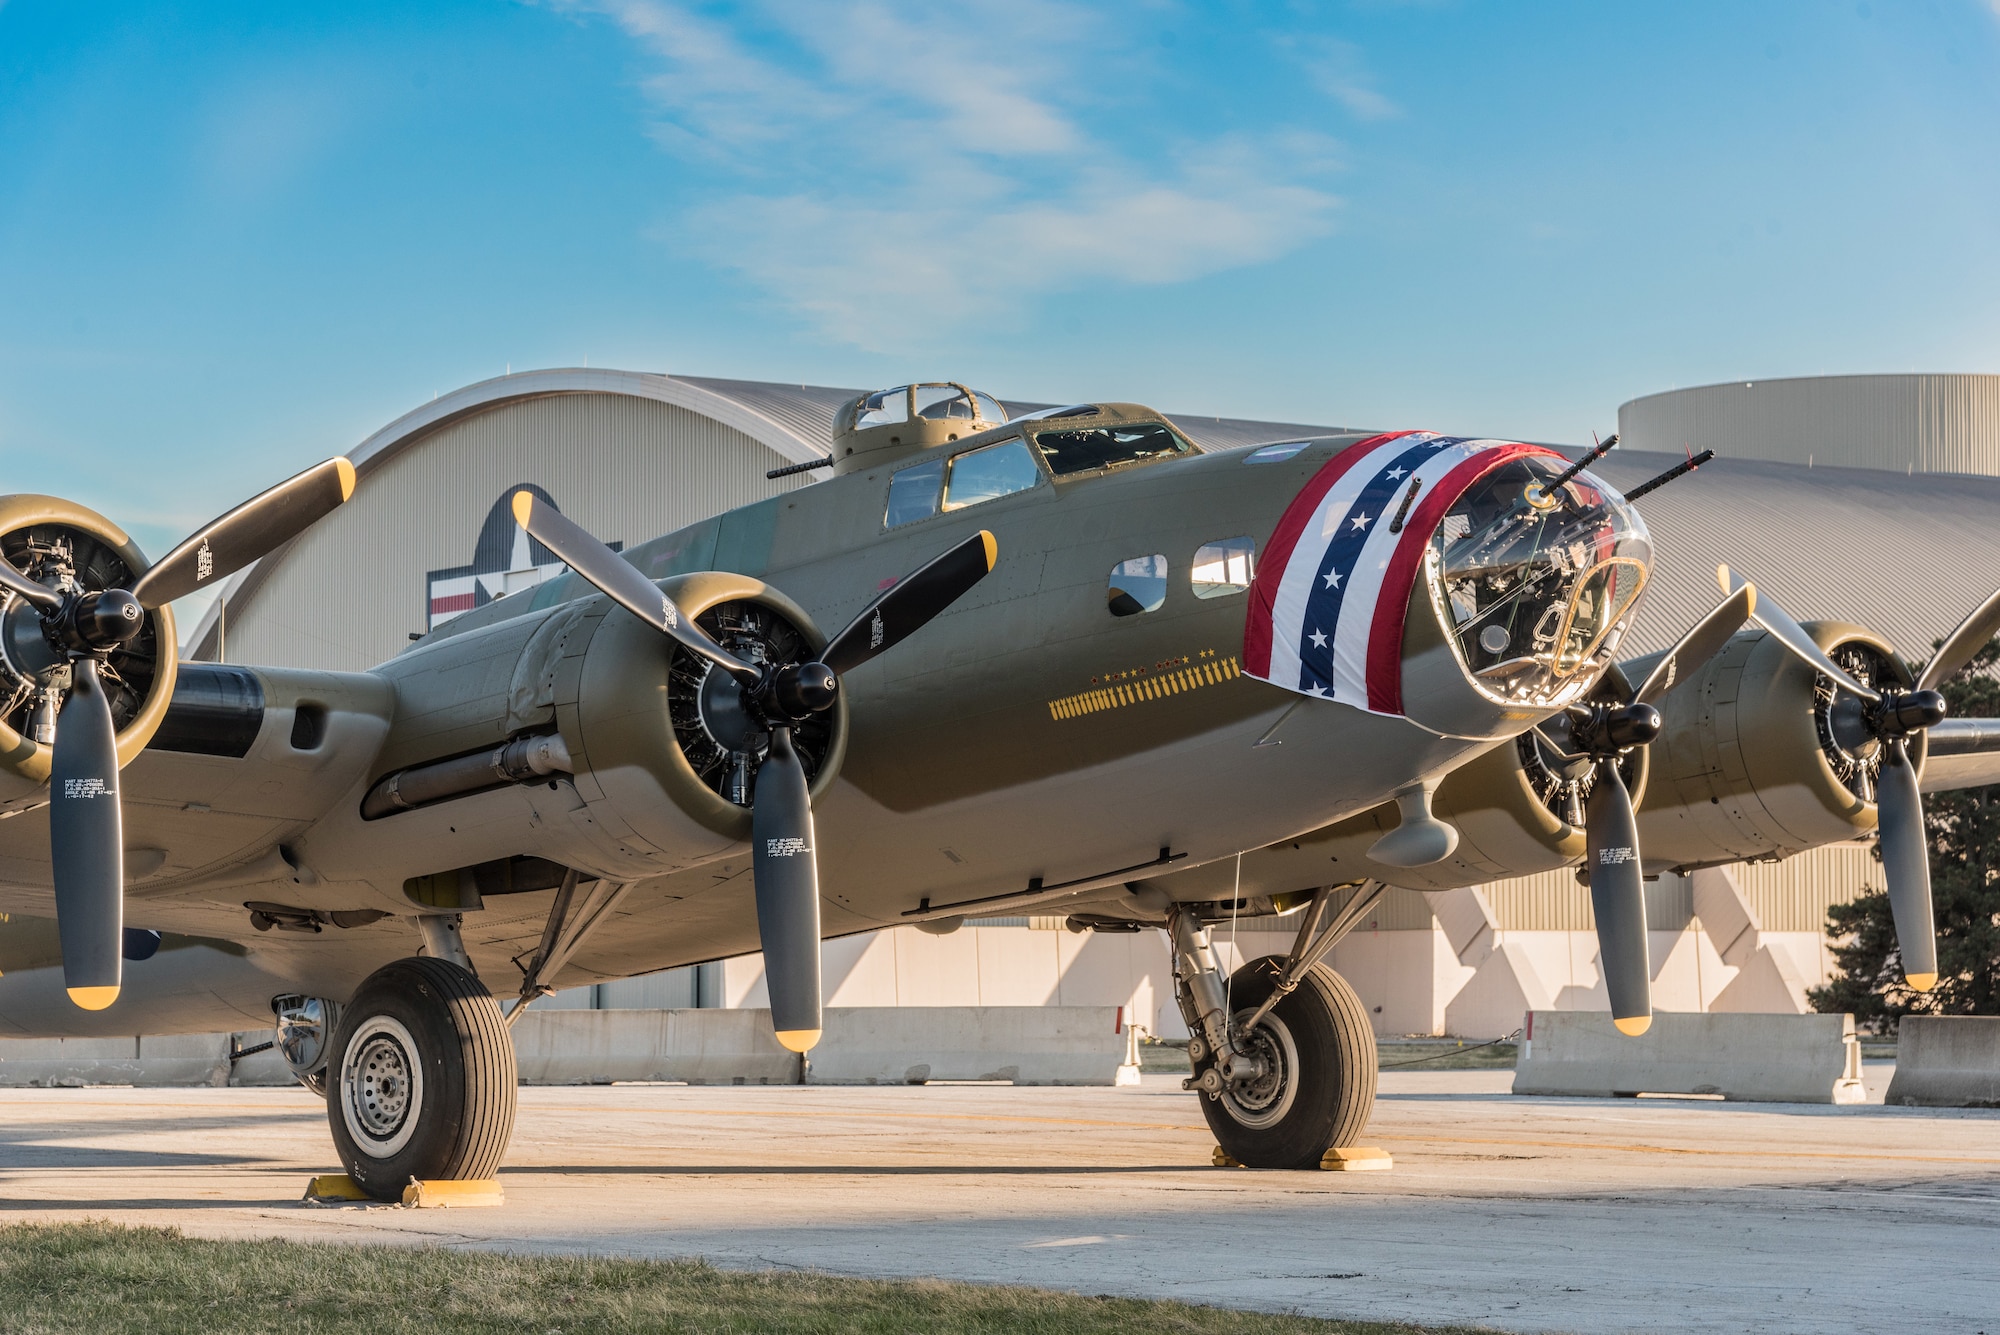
[[804, 689], [1904, 712], [105, 620], [1609, 731]]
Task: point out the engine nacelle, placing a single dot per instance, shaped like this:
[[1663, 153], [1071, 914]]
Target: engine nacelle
[[655, 744], [47, 538], [654, 724], [1757, 759]]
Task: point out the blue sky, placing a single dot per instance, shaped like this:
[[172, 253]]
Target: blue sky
[[236, 238]]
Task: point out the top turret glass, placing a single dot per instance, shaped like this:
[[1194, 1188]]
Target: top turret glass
[[936, 402]]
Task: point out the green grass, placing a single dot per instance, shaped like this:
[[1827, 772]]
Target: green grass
[[106, 1280]]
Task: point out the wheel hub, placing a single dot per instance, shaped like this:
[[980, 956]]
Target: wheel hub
[[1264, 1094], [381, 1095], [382, 1092]]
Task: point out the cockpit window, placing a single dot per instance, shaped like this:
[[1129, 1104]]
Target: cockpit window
[[1091, 448], [988, 473], [1537, 590]]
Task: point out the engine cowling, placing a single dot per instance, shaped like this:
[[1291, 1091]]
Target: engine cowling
[[40, 536], [1758, 759], [651, 726]]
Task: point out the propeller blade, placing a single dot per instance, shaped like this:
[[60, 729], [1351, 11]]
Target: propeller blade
[[252, 530], [1702, 642], [786, 869], [621, 581], [39, 594], [1789, 633], [915, 599], [1964, 642], [1906, 865], [1618, 898], [87, 840]]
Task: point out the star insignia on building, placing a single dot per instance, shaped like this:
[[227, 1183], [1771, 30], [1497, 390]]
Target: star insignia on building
[[1316, 689], [1361, 521], [1396, 474], [1319, 639], [1333, 579]]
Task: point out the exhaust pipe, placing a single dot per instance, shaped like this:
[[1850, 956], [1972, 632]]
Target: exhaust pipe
[[523, 760]]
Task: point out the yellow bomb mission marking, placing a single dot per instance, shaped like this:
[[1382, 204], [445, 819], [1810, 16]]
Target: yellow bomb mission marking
[[1146, 684]]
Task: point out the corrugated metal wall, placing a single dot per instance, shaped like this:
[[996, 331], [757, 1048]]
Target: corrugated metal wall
[[627, 469], [1788, 896], [1925, 423]]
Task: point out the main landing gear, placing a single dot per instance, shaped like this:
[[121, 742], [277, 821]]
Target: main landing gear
[[420, 1078], [1283, 1054]]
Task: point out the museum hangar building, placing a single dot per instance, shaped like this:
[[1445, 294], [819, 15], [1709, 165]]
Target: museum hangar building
[[1870, 499]]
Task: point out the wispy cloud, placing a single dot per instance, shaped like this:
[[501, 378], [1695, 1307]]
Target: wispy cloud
[[1339, 71], [881, 177]]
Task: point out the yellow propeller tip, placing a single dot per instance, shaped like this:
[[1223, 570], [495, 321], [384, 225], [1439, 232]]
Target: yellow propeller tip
[[94, 998], [342, 466], [524, 507], [798, 1040], [992, 548], [1634, 1025], [1921, 982], [1722, 577]]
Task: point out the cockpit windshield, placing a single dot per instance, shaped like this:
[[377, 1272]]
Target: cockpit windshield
[[1086, 449], [1538, 589]]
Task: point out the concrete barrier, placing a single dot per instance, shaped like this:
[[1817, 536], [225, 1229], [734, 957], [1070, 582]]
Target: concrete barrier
[[1947, 1061], [177, 1059], [1754, 1058], [702, 1047], [862, 1045], [1029, 1045]]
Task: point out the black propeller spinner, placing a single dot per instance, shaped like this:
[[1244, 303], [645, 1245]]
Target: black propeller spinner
[[1891, 717], [86, 825], [1599, 734], [778, 697]]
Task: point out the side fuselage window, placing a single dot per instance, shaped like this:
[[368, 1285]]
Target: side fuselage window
[[1223, 567], [989, 472], [913, 492], [1138, 585]]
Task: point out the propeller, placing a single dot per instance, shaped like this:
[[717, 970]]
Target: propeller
[[86, 838], [784, 860], [1890, 717], [1599, 734]]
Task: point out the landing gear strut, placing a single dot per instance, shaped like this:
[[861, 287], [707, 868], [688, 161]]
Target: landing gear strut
[[1283, 1054], [420, 1079]]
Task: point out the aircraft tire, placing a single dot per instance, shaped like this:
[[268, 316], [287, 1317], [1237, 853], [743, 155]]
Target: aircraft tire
[[421, 1080], [1323, 1043]]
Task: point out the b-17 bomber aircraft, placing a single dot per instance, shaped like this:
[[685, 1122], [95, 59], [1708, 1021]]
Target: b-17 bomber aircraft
[[1067, 662]]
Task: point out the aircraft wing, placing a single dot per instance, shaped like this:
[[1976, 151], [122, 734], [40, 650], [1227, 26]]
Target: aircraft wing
[[1964, 753]]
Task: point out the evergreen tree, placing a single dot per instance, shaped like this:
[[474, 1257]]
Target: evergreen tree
[[1964, 829]]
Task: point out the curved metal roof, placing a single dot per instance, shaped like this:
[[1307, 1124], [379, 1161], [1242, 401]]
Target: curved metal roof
[[1905, 555]]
